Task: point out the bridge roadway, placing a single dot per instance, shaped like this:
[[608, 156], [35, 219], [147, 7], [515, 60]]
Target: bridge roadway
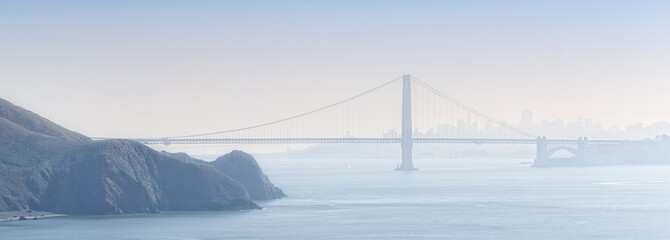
[[169, 141]]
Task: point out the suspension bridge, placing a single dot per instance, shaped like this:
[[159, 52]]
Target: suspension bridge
[[404, 110]]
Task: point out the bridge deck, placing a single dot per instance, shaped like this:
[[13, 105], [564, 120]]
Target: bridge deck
[[357, 140]]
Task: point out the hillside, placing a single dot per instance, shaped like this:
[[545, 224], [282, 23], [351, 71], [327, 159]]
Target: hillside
[[46, 167]]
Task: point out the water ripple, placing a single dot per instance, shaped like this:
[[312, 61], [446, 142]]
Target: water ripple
[[636, 183]]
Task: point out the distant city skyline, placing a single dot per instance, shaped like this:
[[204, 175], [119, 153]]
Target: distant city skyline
[[593, 128], [557, 128]]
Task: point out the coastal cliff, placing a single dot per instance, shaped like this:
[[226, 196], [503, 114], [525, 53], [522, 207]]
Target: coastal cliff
[[243, 167], [122, 176], [32, 148], [46, 167]]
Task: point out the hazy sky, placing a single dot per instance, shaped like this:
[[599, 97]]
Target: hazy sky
[[156, 68]]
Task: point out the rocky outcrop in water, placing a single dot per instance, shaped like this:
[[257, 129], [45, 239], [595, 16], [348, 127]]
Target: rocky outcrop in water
[[243, 167], [46, 167]]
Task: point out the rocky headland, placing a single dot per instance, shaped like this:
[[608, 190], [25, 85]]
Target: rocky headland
[[45, 167], [243, 167]]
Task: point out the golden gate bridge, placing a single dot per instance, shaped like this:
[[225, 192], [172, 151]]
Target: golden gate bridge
[[403, 110]]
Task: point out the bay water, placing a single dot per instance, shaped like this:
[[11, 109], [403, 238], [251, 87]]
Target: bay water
[[445, 199]]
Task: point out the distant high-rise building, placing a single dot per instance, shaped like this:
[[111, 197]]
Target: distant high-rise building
[[526, 118], [588, 124]]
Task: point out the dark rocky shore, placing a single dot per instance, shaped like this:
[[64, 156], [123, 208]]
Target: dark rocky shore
[[45, 167]]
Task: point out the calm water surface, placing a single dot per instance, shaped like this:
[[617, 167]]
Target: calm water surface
[[446, 199]]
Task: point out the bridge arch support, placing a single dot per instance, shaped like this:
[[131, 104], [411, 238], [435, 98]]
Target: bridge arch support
[[571, 150], [546, 150]]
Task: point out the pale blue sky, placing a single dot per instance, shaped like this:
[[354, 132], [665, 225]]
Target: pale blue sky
[[154, 68]]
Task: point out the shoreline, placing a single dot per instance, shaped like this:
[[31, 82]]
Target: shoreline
[[28, 215]]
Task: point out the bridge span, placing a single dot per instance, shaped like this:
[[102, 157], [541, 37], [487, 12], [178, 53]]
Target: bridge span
[[390, 113], [166, 141]]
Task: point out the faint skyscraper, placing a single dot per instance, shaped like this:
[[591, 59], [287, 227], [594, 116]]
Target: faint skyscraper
[[526, 118]]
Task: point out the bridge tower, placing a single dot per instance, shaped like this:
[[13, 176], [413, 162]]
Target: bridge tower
[[406, 141]]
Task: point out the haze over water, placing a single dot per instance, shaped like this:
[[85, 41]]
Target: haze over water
[[130, 69], [446, 199], [144, 69]]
